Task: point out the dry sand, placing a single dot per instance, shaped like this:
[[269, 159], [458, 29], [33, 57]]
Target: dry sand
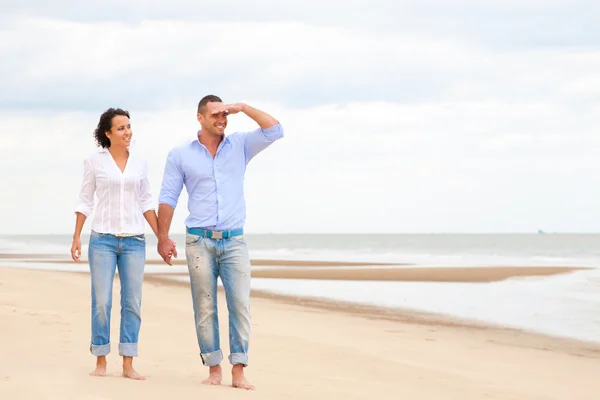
[[298, 351]]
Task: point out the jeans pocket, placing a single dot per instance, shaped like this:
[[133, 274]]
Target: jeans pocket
[[191, 240], [96, 234], [239, 238], [140, 238]]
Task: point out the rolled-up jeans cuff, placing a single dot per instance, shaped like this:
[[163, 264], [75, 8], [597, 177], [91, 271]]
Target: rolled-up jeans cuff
[[212, 359], [128, 349], [238, 358], [100, 350]]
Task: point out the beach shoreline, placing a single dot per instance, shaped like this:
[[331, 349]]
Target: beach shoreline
[[395, 314], [373, 311]]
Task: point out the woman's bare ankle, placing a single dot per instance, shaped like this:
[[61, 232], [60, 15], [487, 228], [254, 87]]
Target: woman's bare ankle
[[100, 367]]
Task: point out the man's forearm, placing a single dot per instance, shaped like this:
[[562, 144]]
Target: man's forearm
[[165, 216], [263, 119]]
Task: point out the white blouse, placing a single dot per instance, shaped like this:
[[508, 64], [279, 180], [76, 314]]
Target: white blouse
[[122, 197]]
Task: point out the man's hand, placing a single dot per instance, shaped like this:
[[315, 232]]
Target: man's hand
[[167, 249], [264, 120], [229, 109]]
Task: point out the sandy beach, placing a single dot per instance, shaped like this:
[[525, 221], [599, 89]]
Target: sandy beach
[[299, 350]]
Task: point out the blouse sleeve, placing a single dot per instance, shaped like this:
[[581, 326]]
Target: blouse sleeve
[[145, 193], [85, 204]]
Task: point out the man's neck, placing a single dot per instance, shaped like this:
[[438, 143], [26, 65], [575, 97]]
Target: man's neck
[[210, 141]]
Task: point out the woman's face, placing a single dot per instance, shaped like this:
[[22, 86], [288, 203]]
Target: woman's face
[[120, 132]]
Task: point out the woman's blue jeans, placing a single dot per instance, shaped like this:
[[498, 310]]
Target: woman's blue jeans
[[107, 253]]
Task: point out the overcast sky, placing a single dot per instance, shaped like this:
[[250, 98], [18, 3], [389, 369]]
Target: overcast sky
[[441, 116]]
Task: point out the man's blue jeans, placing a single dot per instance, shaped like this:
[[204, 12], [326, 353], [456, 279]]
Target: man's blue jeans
[[106, 253], [208, 259]]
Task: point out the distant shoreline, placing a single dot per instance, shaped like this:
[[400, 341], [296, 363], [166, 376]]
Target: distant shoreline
[[60, 259], [348, 271]]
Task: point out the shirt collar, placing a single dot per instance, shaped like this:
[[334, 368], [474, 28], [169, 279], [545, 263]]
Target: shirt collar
[[197, 139], [105, 149]]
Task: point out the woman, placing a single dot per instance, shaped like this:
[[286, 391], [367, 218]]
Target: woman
[[118, 178]]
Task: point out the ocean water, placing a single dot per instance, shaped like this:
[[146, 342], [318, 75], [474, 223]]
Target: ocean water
[[565, 305], [424, 249]]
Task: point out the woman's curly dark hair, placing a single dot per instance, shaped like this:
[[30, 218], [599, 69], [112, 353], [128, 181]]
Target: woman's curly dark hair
[[105, 124]]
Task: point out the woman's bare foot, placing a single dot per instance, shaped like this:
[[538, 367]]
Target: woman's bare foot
[[129, 372], [132, 374], [238, 379], [100, 367], [214, 376]]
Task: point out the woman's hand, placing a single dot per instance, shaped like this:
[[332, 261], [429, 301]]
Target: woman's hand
[[76, 249]]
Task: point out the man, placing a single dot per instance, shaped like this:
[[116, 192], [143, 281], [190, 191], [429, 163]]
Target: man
[[212, 168]]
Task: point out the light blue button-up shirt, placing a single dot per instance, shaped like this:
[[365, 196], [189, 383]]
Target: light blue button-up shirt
[[215, 186]]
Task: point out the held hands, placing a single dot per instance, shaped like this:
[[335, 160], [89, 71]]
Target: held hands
[[229, 109], [167, 249], [76, 249]]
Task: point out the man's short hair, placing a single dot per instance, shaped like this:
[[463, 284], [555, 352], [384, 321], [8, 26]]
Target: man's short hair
[[211, 98]]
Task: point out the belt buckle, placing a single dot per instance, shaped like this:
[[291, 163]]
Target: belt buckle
[[216, 234]]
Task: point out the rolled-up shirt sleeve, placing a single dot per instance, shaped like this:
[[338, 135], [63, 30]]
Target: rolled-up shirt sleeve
[[260, 139], [85, 204], [145, 193], [172, 183]]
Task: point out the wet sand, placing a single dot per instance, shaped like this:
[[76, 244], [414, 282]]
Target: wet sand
[[364, 271], [403, 274], [424, 274]]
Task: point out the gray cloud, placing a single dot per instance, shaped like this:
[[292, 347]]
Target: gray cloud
[[151, 55], [497, 23], [68, 65]]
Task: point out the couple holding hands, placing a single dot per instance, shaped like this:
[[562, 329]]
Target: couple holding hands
[[212, 168]]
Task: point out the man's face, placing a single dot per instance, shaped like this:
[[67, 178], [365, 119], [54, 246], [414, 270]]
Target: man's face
[[213, 123]]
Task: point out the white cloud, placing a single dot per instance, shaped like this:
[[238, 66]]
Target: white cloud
[[335, 170], [399, 116]]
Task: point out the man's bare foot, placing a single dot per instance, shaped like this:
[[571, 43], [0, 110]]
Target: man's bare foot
[[214, 376], [128, 371], [238, 379], [132, 374], [100, 367]]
